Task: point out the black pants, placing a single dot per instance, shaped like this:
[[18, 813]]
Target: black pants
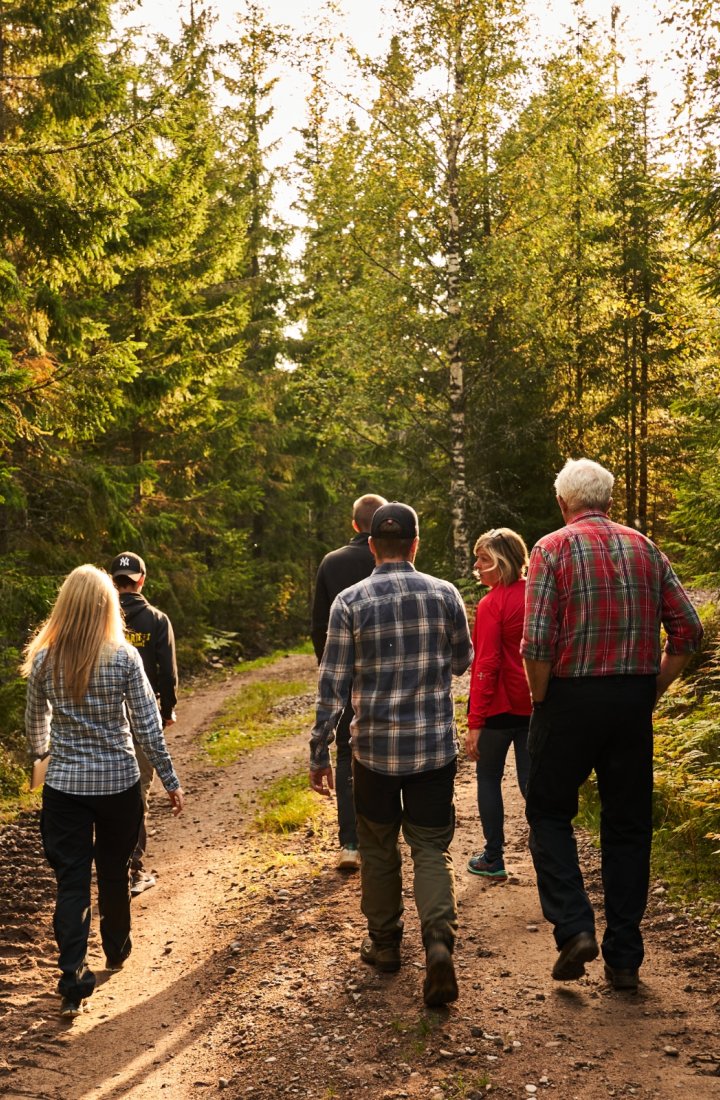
[[347, 829], [75, 830], [602, 723]]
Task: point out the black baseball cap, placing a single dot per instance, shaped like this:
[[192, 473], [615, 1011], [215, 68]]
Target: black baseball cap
[[128, 565], [395, 521]]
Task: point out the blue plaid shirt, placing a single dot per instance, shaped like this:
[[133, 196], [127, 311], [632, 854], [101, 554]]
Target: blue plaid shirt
[[396, 638], [91, 750]]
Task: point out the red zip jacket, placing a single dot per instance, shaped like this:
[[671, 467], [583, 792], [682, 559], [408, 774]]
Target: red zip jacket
[[497, 678]]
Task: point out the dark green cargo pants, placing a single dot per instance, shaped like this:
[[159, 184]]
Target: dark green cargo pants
[[421, 804]]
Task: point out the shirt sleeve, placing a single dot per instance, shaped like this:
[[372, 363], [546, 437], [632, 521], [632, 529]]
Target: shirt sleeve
[[320, 613], [541, 626], [38, 712], [679, 617], [166, 667], [487, 642], [334, 681], [146, 722], [460, 641]]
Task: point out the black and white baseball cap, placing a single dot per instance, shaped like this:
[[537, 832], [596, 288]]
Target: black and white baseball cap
[[128, 565]]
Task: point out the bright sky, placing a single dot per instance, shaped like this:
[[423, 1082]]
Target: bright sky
[[365, 20], [643, 41]]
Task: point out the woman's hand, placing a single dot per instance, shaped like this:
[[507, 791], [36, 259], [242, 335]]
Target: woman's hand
[[177, 800], [471, 744]]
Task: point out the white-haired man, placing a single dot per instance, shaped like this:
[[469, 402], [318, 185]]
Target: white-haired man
[[596, 595]]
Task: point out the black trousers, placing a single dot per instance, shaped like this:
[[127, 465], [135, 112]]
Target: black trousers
[[77, 829], [602, 723]]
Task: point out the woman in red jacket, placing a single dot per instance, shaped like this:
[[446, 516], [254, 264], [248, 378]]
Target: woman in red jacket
[[499, 708]]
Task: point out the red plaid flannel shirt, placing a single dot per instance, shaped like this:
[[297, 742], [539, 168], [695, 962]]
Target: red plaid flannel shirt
[[596, 595]]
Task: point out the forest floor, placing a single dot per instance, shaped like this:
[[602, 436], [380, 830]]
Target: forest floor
[[245, 976]]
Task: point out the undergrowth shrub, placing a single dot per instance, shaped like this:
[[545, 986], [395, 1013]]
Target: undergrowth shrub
[[686, 798]]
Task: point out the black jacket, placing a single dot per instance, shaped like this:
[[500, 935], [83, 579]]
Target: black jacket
[[338, 570], [151, 632]]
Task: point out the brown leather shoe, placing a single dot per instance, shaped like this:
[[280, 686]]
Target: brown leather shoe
[[440, 985], [383, 956], [625, 980], [574, 953]]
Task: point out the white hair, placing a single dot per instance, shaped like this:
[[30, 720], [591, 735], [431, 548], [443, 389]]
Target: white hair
[[584, 484]]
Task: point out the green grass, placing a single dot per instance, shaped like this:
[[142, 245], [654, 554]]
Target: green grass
[[11, 808], [415, 1031], [246, 721], [687, 863], [303, 649], [458, 1086], [289, 804]]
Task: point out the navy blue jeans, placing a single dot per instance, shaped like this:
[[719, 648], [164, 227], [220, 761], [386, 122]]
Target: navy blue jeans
[[602, 723], [77, 829], [347, 829], [493, 747]]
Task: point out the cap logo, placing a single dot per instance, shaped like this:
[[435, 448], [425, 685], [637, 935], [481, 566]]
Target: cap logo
[[124, 561]]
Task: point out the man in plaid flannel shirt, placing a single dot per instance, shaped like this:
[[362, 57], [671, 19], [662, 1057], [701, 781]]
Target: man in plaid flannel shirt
[[596, 596], [397, 638]]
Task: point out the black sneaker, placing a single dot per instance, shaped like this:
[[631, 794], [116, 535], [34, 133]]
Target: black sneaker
[[383, 956], [70, 1008]]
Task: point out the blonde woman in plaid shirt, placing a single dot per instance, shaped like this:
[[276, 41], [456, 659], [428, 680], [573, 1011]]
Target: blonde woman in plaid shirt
[[84, 684]]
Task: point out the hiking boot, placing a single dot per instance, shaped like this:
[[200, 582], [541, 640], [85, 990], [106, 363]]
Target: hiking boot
[[494, 871], [574, 953], [114, 967], [140, 881], [385, 957], [440, 985], [349, 858], [70, 1008], [626, 980]]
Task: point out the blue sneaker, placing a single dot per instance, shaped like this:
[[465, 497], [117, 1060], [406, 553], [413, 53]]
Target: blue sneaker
[[478, 865]]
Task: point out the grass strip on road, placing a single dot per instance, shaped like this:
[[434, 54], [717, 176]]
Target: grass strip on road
[[289, 804], [247, 720]]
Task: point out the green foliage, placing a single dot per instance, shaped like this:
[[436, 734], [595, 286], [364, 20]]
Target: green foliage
[[492, 270], [686, 797]]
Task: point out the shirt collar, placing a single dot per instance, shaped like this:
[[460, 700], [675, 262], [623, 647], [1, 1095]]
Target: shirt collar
[[591, 513], [395, 567]]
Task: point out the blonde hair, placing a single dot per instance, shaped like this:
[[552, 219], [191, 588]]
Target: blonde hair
[[508, 552], [85, 621]]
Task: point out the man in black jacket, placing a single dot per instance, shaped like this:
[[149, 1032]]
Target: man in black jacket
[[151, 632], [338, 570]]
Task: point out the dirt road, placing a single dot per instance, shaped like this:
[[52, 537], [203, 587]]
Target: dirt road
[[245, 976]]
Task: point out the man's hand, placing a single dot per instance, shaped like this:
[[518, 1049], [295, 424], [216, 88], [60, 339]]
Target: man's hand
[[169, 721], [671, 665], [177, 800], [471, 744], [322, 780]]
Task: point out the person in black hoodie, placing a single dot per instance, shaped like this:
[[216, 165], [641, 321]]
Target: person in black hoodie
[[151, 632], [338, 570]]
